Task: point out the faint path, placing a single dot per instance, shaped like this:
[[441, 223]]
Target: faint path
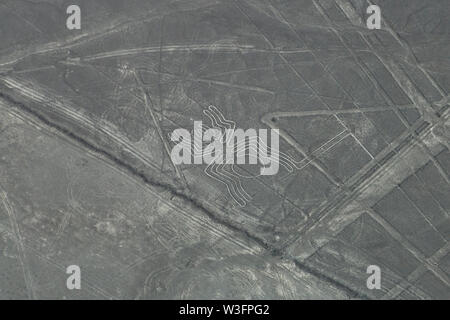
[[149, 107], [19, 244]]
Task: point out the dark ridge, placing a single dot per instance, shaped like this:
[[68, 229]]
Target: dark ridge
[[349, 291], [176, 192]]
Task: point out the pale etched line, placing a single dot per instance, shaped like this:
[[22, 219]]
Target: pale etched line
[[217, 171], [236, 182], [25, 116], [23, 18], [287, 114], [282, 133], [438, 166], [155, 274], [346, 9], [119, 26], [282, 19], [149, 106], [422, 214], [427, 188], [63, 108], [86, 37], [389, 276], [270, 187], [328, 148], [412, 56], [211, 222], [341, 136], [251, 88], [225, 122], [235, 189], [236, 186], [416, 274], [300, 149], [218, 82], [349, 206], [19, 243], [62, 226], [318, 7], [408, 246], [141, 260], [232, 174], [418, 99], [402, 79], [219, 121], [32, 69], [83, 120], [331, 141], [216, 116], [402, 117], [209, 171], [91, 288], [232, 85], [395, 292], [181, 48]]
